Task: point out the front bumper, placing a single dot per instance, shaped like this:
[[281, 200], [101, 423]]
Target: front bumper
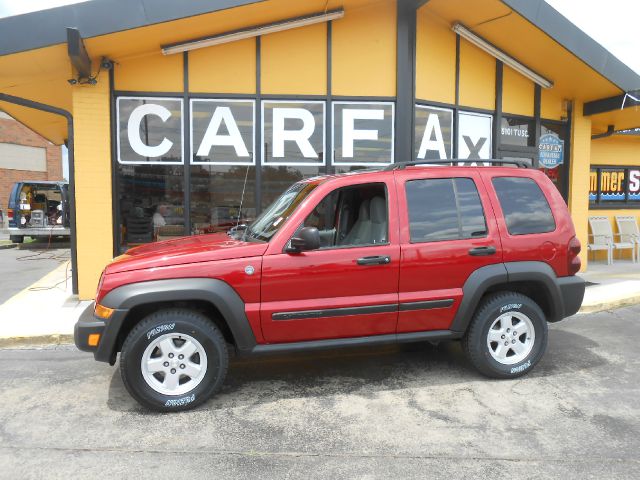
[[88, 324], [572, 292]]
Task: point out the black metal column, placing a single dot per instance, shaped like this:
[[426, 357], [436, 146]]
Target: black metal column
[[405, 80]]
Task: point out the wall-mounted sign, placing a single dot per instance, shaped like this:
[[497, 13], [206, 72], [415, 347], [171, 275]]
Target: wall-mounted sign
[[149, 130], [551, 151], [634, 184], [222, 132], [612, 185], [293, 132], [362, 133], [433, 133], [474, 135]]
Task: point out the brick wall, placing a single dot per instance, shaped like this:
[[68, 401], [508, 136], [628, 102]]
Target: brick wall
[[12, 131]]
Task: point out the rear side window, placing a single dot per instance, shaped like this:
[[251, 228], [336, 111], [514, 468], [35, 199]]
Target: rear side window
[[525, 207], [444, 209]]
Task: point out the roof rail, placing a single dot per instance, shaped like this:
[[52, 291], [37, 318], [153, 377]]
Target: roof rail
[[452, 162]]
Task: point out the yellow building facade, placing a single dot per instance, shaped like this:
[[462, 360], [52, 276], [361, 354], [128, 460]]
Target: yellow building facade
[[196, 121]]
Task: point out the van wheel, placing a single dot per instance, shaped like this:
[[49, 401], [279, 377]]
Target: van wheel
[[174, 360], [507, 335], [16, 238]]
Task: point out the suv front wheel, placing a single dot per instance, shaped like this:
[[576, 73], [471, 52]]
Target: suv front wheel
[[173, 360], [507, 335]]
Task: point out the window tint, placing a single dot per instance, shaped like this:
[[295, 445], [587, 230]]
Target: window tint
[[352, 216], [444, 209], [470, 208], [525, 207]]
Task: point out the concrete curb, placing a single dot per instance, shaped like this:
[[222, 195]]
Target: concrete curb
[[53, 339], [7, 246], [600, 307]]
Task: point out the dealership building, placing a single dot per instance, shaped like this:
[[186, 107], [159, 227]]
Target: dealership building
[[189, 117]]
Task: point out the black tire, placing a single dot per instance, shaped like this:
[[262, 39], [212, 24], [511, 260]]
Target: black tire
[[475, 342], [173, 322], [16, 238]]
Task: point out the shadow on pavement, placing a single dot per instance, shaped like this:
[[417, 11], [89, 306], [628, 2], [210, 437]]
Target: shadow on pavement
[[364, 372]]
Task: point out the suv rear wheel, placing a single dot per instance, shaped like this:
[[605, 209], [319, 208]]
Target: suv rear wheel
[[507, 335], [173, 360]]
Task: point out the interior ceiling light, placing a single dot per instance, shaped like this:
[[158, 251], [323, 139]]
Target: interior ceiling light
[[253, 32], [500, 55]]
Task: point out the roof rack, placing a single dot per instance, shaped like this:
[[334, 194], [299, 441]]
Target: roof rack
[[452, 162]]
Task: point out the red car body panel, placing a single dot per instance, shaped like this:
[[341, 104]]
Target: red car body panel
[[331, 278], [550, 247], [438, 270]]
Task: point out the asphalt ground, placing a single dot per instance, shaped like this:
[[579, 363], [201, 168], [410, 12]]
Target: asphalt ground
[[397, 412], [21, 268]]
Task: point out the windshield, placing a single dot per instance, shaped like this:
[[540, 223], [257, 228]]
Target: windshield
[[270, 221]]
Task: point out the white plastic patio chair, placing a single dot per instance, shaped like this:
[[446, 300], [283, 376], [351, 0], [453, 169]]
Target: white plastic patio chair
[[601, 237], [629, 233]]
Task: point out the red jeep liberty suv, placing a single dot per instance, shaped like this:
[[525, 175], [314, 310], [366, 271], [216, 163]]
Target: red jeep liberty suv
[[487, 255]]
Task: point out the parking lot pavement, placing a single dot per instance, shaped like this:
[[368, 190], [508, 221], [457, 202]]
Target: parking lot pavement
[[409, 412], [21, 268]]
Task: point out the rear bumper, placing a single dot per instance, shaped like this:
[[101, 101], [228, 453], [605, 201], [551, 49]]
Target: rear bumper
[[40, 231], [572, 292], [89, 324]]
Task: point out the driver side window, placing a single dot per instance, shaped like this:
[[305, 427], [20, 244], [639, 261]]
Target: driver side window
[[352, 216]]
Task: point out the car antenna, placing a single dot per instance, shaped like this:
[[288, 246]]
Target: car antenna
[[244, 186]]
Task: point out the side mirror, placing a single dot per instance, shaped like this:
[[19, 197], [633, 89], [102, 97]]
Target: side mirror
[[237, 231], [308, 238]]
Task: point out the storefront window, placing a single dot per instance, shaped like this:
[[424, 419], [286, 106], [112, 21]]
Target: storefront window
[[151, 203], [222, 132], [552, 154], [517, 132], [221, 197], [150, 169], [433, 133], [276, 180], [293, 133], [362, 133], [149, 130], [474, 135]]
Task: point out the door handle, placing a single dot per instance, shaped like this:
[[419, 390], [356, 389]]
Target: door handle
[[377, 260], [482, 251]]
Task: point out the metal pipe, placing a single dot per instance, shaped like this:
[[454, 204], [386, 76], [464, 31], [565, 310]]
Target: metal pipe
[[4, 97]]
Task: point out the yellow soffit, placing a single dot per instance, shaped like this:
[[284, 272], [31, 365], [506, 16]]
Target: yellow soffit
[[41, 74], [497, 23], [622, 119]]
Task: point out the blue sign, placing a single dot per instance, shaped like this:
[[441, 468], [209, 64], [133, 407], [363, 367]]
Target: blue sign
[[551, 151]]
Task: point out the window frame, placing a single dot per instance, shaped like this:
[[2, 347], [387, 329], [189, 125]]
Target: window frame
[[342, 247], [459, 216]]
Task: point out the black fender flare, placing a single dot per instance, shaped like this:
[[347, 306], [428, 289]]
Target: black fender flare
[[217, 292], [504, 273]]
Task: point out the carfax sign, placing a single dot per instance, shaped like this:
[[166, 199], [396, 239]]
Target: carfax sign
[[551, 151], [151, 130]]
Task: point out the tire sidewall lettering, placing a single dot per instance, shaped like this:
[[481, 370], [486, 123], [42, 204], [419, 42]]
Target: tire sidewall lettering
[[539, 346], [165, 402]]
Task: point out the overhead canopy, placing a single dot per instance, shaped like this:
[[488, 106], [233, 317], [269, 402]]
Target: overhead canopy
[[34, 63]]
